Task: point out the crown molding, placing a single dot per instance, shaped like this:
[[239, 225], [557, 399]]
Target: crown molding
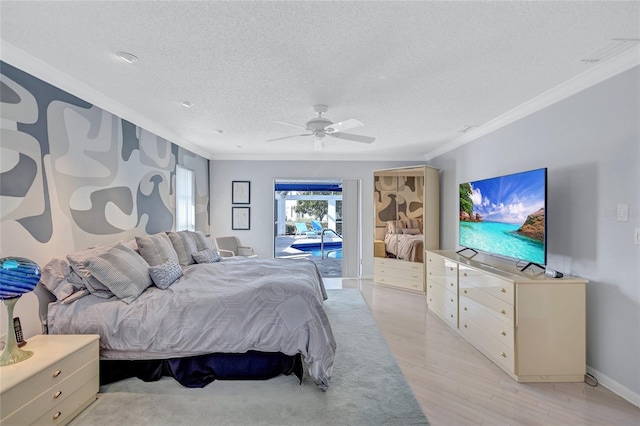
[[596, 74], [29, 64]]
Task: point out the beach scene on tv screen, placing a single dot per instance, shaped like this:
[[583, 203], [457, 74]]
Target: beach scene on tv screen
[[505, 215]]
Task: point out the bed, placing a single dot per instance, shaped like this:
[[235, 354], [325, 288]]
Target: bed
[[220, 318], [404, 239]]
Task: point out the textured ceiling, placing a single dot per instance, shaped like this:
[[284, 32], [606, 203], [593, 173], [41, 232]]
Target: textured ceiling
[[412, 72]]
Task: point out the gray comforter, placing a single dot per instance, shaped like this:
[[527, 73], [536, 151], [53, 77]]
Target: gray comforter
[[269, 305]]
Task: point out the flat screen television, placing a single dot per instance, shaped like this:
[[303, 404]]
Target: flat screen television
[[505, 216]]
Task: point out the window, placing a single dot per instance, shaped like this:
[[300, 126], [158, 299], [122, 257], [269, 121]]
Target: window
[[185, 199]]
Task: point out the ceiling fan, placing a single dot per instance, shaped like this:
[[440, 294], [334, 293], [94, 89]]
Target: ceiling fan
[[320, 127]]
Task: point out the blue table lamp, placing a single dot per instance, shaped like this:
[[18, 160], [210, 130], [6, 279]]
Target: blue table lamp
[[17, 276]]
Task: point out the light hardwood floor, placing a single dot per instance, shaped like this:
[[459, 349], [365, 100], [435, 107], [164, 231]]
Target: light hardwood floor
[[456, 385]]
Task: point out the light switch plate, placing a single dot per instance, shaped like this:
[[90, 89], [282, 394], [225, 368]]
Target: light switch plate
[[623, 212]]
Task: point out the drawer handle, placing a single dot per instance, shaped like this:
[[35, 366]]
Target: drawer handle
[[465, 308], [57, 394], [502, 311], [504, 290], [451, 315], [56, 415], [465, 326], [430, 300], [451, 300], [450, 268], [503, 354], [57, 373], [504, 333], [465, 274], [465, 292], [451, 284]]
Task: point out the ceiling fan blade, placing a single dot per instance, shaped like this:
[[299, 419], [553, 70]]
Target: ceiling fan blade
[[287, 137], [342, 126], [291, 124], [351, 137]]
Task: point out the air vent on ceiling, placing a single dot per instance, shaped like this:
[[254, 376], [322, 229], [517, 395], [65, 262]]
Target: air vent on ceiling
[[613, 48]]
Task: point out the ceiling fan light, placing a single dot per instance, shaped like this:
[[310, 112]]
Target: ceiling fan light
[[318, 144]]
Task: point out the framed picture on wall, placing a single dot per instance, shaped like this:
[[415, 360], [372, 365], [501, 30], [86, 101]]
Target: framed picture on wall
[[240, 218], [240, 192]]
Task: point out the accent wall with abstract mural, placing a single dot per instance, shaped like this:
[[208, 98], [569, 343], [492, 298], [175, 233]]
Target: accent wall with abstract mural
[[73, 175]]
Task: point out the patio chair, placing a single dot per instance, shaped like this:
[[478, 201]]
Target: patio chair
[[301, 229], [317, 226], [230, 247]]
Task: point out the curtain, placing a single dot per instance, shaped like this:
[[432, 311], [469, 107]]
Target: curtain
[[185, 199]]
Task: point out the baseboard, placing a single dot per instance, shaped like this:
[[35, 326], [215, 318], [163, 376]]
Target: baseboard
[[615, 387]]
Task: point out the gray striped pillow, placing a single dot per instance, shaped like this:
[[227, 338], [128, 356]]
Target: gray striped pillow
[[185, 245], [121, 270], [201, 240], [156, 248]]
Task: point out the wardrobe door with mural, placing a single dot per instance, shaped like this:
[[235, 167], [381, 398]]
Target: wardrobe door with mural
[[406, 206]]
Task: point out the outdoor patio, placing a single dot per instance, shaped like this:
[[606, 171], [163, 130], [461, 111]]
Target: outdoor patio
[[328, 267]]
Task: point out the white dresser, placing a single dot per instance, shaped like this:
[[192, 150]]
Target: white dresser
[[442, 288], [59, 381], [398, 273], [531, 326]]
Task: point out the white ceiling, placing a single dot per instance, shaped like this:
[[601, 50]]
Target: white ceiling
[[412, 72]]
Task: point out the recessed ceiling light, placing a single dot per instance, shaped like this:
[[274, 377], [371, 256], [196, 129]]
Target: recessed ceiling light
[[129, 58], [615, 47], [219, 131], [186, 104]]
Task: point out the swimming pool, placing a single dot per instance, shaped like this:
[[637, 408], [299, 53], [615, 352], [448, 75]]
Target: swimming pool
[[332, 249]]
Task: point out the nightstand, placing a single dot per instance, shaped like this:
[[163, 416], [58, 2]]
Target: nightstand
[[59, 381], [379, 249]]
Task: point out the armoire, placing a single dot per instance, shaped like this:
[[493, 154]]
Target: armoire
[[404, 198]]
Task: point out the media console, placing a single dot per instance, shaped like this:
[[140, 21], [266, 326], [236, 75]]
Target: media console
[[531, 326]]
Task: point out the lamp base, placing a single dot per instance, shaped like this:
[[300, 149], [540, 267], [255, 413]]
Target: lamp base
[[12, 353]]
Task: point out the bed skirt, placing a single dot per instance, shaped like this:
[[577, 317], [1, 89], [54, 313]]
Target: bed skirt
[[198, 371]]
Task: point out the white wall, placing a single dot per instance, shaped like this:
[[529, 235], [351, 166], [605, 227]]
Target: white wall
[[262, 173], [590, 143]]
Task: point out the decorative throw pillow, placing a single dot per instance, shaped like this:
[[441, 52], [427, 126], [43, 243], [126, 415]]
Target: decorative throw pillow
[[185, 245], [165, 274], [411, 231], [207, 256], [156, 248], [202, 242], [122, 270]]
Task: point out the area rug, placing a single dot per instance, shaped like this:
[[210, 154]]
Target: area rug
[[367, 388]]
